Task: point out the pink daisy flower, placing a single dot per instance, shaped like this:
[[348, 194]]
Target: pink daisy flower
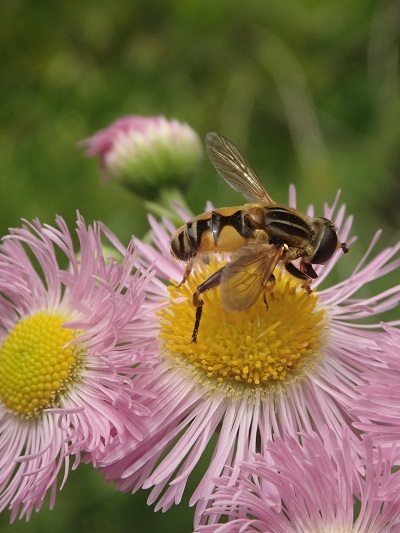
[[378, 405], [317, 489], [69, 337], [253, 375]]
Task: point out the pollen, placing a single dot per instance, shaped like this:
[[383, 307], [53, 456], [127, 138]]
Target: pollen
[[36, 364], [261, 348]]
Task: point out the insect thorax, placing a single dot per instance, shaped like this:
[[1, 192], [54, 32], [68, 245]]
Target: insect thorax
[[285, 226]]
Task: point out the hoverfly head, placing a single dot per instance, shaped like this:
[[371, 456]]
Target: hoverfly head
[[326, 240]]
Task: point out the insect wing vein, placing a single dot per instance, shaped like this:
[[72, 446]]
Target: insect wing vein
[[235, 169], [246, 276]]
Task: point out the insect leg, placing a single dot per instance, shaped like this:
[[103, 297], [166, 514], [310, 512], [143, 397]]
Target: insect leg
[[187, 272], [305, 273], [268, 288], [213, 281], [308, 270], [294, 271]]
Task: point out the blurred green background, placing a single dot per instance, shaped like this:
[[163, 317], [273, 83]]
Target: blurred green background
[[309, 90]]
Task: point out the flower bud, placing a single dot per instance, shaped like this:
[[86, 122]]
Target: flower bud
[[146, 154]]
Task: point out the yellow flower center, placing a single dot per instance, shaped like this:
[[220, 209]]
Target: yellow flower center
[[36, 364], [258, 348]]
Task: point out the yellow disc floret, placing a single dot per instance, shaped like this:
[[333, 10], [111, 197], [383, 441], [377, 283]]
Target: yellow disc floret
[[36, 364], [262, 347]]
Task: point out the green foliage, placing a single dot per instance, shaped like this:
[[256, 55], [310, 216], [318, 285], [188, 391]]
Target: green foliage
[[308, 90]]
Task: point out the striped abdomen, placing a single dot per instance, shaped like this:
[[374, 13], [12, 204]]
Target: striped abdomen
[[223, 231]]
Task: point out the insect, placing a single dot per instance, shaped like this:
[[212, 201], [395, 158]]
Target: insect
[[258, 236]]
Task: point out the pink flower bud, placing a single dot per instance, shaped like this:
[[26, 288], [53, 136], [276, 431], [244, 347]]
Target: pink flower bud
[[146, 154]]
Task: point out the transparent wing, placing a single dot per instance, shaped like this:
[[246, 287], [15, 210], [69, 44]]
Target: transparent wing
[[245, 277], [234, 168]]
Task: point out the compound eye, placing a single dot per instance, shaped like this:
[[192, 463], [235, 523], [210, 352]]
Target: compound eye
[[326, 247]]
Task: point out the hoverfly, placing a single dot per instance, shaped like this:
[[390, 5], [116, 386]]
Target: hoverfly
[[259, 236]]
